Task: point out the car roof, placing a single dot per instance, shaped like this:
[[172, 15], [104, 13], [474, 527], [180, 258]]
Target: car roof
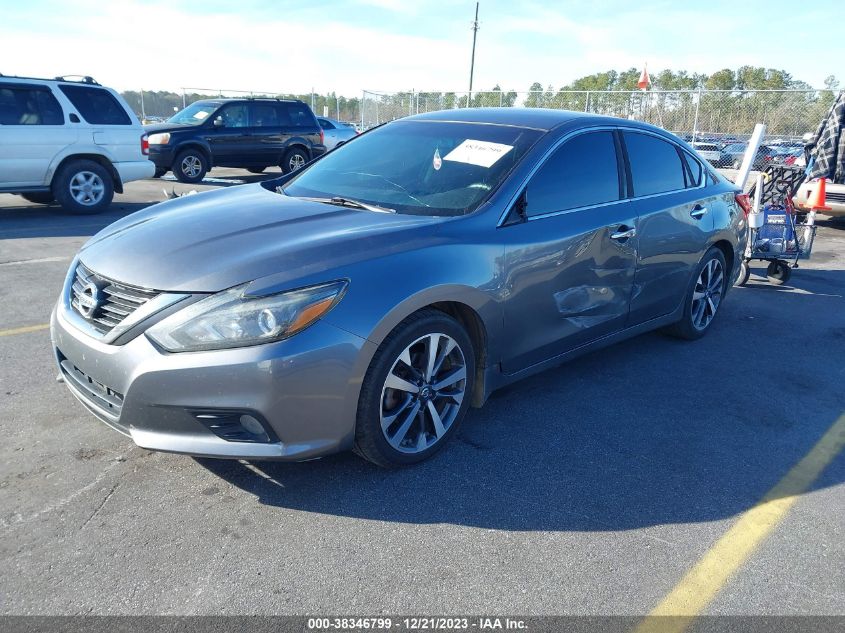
[[222, 100], [545, 119]]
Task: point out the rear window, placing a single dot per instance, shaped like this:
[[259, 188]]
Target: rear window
[[97, 106], [655, 164], [29, 106]]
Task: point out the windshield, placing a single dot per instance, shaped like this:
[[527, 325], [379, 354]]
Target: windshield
[[194, 114], [418, 167]]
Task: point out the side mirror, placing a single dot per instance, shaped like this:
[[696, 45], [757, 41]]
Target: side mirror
[[218, 122]]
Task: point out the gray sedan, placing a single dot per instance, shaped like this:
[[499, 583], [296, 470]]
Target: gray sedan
[[336, 132], [368, 300]]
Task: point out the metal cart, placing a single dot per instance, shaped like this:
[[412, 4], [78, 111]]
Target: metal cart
[[776, 237]]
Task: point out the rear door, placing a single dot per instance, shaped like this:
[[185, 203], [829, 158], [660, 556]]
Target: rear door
[[571, 263], [269, 123], [669, 198], [32, 132]]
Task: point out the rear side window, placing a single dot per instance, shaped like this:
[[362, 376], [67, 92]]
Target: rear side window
[[29, 106], [655, 164], [582, 172], [300, 115], [97, 106], [694, 170]]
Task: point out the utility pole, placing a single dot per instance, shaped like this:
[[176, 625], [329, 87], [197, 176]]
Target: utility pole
[[472, 62]]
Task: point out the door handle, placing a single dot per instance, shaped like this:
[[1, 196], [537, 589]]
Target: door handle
[[623, 235], [698, 211]]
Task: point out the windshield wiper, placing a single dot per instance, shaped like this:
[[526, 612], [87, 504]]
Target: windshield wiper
[[348, 202]]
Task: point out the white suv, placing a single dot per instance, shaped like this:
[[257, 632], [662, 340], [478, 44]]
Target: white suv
[[72, 142]]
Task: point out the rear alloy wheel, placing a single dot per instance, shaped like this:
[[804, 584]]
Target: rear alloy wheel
[[83, 187], [703, 298], [190, 166], [294, 160], [416, 391]]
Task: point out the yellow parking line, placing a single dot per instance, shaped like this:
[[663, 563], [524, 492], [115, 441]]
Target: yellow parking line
[[25, 329], [710, 574]]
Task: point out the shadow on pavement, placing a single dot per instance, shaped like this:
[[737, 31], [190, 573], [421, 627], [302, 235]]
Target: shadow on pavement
[[648, 432]]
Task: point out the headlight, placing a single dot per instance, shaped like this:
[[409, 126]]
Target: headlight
[[230, 319], [160, 139]]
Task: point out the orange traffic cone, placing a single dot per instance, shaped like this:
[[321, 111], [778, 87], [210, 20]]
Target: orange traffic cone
[[816, 200]]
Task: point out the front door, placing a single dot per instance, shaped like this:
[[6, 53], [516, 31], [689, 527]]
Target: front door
[[570, 265], [229, 136]]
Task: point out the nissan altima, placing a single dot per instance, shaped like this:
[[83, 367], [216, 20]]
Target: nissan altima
[[368, 300]]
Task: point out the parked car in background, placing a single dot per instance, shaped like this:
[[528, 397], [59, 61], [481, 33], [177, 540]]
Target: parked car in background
[[708, 151], [732, 156], [336, 132], [789, 156], [368, 300], [71, 142], [248, 133], [834, 197]]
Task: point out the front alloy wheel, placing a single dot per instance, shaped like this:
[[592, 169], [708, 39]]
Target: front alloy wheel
[[416, 390], [422, 393]]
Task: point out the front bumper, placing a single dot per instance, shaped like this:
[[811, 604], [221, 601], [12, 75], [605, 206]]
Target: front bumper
[[304, 389], [161, 156]]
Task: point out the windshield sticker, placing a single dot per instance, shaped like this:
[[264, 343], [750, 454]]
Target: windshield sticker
[[481, 153], [437, 162], [201, 115]]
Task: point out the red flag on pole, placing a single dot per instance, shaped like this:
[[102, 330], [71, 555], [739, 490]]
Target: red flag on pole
[[642, 84]]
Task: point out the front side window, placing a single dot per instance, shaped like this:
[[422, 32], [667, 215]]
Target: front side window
[[418, 167], [97, 106], [234, 115], [582, 172], [655, 164], [29, 106]]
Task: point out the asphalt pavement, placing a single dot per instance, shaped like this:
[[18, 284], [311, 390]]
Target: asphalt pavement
[[589, 489]]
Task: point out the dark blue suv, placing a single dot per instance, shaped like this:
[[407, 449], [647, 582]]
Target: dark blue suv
[[247, 133]]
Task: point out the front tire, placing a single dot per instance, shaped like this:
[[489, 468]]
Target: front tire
[[416, 390], [190, 166], [83, 187], [703, 298], [256, 170]]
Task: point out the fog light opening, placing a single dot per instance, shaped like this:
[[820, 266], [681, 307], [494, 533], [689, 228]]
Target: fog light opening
[[253, 426]]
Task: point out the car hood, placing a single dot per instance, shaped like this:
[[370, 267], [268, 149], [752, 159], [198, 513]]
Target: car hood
[[157, 128], [215, 240]]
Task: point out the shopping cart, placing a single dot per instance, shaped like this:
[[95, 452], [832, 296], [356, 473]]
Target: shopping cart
[[776, 237]]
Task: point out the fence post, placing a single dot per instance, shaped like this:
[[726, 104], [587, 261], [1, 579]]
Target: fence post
[[587, 102], [363, 98], [695, 119]]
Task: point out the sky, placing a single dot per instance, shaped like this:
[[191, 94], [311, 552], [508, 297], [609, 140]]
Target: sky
[[389, 45]]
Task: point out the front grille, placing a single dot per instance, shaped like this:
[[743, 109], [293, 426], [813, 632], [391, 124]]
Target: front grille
[[105, 303], [102, 397]]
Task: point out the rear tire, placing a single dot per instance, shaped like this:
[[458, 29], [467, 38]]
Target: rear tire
[[294, 160], [778, 272], [39, 197], [190, 166], [744, 274], [160, 172], [416, 391], [83, 187], [703, 297]]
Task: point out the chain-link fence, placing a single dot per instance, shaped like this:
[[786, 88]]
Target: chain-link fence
[[693, 113], [158, 105]]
